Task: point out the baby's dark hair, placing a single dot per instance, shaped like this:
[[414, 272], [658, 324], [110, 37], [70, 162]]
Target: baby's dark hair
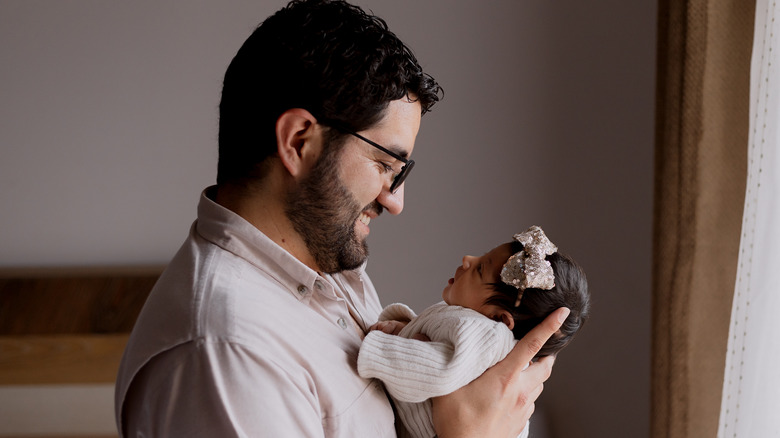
[[571, 291]]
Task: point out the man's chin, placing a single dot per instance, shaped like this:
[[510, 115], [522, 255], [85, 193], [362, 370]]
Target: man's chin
[[350, 259]]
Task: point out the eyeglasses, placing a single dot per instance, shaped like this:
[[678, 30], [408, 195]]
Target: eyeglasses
[[399, 178]]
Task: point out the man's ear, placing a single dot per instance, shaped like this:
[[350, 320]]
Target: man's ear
[[298, 140], [504, 316]]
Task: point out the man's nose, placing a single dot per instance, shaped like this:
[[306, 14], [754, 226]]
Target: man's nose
[[393, 202]]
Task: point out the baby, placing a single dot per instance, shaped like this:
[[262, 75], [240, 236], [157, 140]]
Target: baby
[[492, 301]]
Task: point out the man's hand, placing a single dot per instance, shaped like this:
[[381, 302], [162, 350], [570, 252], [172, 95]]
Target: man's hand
[[500, 401]]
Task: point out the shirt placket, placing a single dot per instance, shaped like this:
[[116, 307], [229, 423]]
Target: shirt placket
[[322, 297], [351, 297]]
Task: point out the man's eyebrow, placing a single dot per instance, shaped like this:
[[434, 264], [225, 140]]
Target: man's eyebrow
[[398, 151]]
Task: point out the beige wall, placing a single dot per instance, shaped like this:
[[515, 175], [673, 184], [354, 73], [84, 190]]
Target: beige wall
[[108, 133]]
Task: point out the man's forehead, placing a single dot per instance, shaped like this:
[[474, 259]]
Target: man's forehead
[[399, 126]]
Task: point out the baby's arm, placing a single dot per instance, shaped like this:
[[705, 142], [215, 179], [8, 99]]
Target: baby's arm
[[392, 327], [394, 318], [414, 371], [410, 369], [397, 312]]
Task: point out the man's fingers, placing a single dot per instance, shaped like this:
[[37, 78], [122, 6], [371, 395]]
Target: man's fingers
[[508, 390], [531, 343]]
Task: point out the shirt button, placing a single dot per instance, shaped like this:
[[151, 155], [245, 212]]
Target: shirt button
[[342, 323], [303, 290], [318, 284]]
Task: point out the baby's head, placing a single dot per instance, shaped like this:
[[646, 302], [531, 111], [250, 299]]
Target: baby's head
[[521, 300]]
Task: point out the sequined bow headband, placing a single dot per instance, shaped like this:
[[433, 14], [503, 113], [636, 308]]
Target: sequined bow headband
[[528, 268]]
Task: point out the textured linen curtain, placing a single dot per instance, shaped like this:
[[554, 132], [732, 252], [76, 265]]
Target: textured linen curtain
[[702, 125], [750, 405]]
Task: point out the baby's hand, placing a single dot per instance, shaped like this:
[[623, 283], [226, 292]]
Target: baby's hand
[[390, 327]]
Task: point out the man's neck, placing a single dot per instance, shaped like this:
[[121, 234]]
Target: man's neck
[[263, 207]]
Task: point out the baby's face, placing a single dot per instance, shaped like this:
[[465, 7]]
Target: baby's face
[[471, 285]]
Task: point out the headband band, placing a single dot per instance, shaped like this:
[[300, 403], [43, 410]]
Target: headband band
[[528, 268]]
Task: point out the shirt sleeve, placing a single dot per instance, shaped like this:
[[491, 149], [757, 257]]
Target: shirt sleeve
[[207, 389]]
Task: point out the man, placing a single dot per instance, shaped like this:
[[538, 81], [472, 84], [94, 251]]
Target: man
[[254, 327]]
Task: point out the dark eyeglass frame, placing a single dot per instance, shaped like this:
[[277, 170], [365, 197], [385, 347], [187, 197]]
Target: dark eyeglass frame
[[399, 178]]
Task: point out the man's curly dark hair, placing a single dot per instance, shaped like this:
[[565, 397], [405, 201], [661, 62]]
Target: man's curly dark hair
[[326, 56]]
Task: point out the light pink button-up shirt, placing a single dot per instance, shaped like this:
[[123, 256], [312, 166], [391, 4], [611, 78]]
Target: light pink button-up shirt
[[239, 338]]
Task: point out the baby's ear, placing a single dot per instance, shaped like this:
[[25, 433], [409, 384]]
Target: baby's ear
[[505, 317]]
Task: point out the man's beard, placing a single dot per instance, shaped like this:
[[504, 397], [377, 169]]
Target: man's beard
[[323, 212]]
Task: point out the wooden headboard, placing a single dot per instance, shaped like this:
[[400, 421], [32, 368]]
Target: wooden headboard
[[68, 325]]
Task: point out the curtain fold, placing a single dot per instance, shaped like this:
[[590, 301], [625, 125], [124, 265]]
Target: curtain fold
[[702, 123], [750, 402]]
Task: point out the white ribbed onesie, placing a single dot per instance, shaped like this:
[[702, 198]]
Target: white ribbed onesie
[[463, 344]]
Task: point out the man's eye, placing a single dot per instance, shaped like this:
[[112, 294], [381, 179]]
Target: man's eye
[[386, 167], [479, 269]]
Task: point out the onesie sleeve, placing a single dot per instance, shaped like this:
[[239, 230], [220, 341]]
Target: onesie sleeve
[[463, 345], [397, 312]]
